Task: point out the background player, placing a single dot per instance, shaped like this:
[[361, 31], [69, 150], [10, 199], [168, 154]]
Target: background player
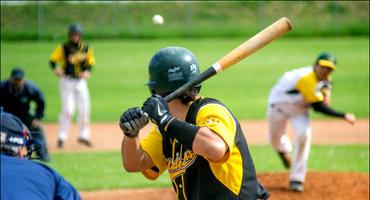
[[22, 178], [197, 140], [17, 95], [289, 99], [76, 60]]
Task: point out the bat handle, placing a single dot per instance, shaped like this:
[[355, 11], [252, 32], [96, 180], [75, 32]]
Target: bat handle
[[196, 81]]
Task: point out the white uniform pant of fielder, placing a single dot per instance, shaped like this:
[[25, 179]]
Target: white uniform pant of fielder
[[278, 117], [74, 93]]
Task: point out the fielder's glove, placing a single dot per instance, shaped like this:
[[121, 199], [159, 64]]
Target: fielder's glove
[[158, 111], [132, 120]]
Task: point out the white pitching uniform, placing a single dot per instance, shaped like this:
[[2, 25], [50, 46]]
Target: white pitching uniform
[[289, 100], [74, 59]]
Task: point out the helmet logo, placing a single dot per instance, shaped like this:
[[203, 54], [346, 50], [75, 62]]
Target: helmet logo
[[193, 68], [175, 74], [16, 140]]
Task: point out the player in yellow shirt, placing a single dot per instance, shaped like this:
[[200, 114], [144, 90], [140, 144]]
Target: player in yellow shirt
[[72, 62], [197, 140], [289, 100]]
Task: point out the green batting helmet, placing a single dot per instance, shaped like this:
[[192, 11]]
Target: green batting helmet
[[170, 68]]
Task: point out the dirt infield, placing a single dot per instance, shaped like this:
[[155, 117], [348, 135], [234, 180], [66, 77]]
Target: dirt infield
[[318, 185], [108, 136], [343, 186]]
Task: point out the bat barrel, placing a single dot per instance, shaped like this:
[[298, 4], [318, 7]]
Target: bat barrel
[[261, 39], [258, 41]]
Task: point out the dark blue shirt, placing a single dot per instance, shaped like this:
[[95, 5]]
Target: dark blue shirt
[[19, 104], [25, 179]]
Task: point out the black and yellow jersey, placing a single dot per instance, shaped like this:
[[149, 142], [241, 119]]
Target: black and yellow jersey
[[193, 176], [73, 58]]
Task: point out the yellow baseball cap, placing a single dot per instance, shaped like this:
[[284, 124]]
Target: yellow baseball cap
[[327, 60]]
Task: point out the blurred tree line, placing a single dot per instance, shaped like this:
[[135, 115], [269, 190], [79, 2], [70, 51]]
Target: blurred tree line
[[49, 20]]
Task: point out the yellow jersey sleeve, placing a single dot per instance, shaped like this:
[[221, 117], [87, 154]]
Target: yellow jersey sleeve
[[58, 55], [218, 119], [90, 59], [307, 86], [152, 145]]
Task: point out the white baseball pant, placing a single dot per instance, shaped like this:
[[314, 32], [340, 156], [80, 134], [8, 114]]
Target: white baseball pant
[[278, 116], [74, 93]]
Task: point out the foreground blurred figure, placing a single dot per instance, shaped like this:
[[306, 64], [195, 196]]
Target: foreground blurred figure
[[17, 95], [72, 62], [24, 179], [289, 100]]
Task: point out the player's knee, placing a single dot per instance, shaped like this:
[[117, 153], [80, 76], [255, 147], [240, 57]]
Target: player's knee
[[67, 113], [305, 135]]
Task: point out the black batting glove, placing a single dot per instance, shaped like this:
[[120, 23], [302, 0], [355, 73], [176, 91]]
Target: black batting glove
[[157, 109], [132, 120]]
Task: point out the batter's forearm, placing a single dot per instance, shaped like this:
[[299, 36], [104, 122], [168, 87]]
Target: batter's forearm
[[210, 145], [134, 159]]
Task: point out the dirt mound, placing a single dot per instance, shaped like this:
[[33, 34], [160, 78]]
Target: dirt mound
[[318, 185]]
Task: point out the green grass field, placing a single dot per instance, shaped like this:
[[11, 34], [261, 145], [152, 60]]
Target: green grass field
[[103, 170], [118, 80]]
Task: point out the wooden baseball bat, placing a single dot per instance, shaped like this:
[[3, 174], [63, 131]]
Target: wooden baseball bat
[[261, 39]]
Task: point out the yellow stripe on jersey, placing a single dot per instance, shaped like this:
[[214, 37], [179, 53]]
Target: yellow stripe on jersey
[[307, 86], [58, 55], [152, 145], [230, 170], [183, 187], [219, 120], [90, 60]]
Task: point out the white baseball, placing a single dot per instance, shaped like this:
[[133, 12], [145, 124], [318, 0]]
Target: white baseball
[[157, 20]]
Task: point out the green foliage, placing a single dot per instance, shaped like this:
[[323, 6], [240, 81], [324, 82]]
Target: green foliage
[[118, 80], [103, 170], [182, 19]]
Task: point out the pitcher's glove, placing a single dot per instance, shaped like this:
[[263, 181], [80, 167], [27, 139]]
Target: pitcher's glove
[[132, 120], [157, 109]]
